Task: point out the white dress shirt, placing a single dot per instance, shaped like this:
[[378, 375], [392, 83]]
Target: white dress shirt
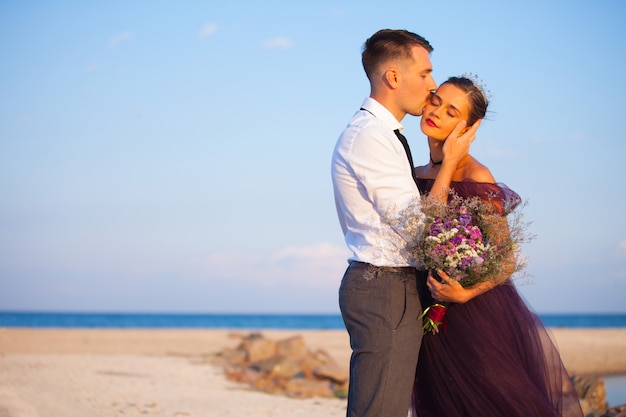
[[377, 201]]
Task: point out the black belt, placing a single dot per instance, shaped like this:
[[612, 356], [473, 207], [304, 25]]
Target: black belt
[[382, 268]]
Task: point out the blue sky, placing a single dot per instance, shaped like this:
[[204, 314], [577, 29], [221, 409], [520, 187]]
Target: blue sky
[[174, 156]]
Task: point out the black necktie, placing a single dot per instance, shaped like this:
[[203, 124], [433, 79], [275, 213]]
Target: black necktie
[[408, 152]]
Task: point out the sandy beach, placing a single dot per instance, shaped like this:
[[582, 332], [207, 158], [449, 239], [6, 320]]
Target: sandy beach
[[100, 372]]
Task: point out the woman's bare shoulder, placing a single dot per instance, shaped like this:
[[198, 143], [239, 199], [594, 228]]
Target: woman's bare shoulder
[[475, 171]]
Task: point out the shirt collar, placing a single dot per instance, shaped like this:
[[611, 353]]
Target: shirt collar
[[380, 112]]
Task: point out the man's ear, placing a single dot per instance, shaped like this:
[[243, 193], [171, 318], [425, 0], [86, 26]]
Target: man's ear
[[392, 77]]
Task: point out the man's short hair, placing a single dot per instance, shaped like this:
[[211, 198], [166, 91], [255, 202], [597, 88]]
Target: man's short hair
[[390, 44]]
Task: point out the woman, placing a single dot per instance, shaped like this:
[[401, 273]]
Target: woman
[[494, 357]]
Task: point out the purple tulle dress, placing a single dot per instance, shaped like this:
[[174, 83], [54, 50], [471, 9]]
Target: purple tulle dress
[[495, 358]]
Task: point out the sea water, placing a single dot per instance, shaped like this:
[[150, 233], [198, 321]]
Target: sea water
[[245, 321]]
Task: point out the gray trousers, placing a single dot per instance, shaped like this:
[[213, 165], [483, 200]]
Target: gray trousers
[[380, 307]]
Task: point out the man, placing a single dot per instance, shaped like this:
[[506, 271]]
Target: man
[[372, 173]]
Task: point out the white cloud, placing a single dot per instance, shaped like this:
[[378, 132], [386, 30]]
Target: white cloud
[[621, 249], [316, 266], [207, 30], [319, 252], [277, 43], [119, 38]]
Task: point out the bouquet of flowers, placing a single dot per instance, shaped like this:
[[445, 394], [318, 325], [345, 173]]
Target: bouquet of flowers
[[470, 242]]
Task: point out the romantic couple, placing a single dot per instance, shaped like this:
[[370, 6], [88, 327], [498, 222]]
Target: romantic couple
[[494, 358]]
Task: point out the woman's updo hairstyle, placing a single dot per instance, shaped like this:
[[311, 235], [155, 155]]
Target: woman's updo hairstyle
[[475, 92]]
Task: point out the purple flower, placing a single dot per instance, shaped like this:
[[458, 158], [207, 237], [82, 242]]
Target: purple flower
[[466, 263], [475, 233], [465, 218]]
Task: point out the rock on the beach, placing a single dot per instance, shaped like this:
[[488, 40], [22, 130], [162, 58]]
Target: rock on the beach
[[285, 367], [592, 395], [289, 368], [619, 411]]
